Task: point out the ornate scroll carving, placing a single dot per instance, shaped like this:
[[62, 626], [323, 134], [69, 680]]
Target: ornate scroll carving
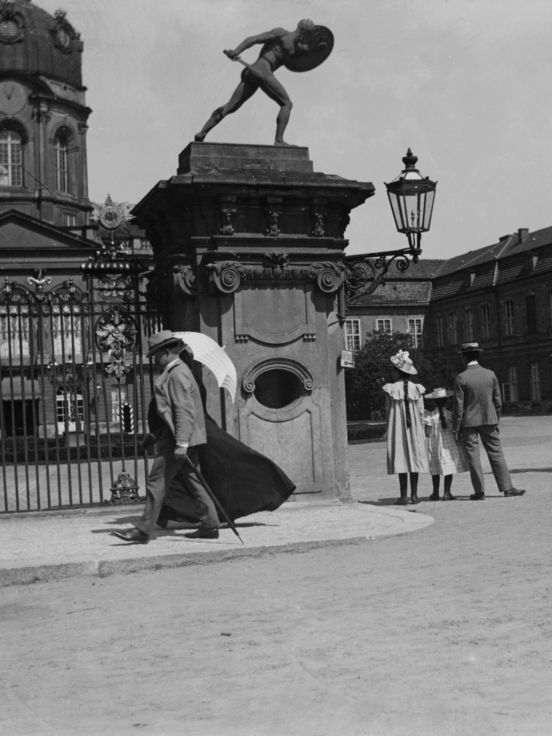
[[363, 276], [328, 276], [115, 333], [227, 276], [184, 280], [283, 364]]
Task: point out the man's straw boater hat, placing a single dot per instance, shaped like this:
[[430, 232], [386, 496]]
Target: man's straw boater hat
[[163, 339], [470, 347], [402, 362], [439, 393]]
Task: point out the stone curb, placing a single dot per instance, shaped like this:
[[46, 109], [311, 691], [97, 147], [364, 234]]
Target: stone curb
[[27, 575]]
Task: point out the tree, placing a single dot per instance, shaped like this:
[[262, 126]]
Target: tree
[[373, 369]]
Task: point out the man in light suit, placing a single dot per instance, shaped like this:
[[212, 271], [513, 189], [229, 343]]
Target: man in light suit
[[477, 408], [182, 429]]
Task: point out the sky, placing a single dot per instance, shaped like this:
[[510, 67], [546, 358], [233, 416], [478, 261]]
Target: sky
[[464, 83]]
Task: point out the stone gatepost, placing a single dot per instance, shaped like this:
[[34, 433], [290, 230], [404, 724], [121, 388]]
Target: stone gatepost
[[248, 244]]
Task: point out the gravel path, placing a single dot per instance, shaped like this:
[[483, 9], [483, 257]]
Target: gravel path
[[442, 632]]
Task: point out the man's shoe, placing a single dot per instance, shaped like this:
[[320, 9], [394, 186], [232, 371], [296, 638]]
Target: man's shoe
[[449, 497], [135, 536], [203, 534], [477, 497], [433, 497], [513, 492]]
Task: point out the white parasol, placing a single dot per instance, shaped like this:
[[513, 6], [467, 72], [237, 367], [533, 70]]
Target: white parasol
[[208, 352]]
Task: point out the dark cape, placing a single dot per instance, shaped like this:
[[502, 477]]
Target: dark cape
[[243, 480]]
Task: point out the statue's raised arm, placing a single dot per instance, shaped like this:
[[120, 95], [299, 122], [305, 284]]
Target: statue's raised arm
[[300, 50]]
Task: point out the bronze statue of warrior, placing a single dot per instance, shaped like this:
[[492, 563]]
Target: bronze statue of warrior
[[300, 50]]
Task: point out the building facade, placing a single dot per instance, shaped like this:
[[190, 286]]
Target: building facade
[[400, 304], [499, 295], [74, 381]]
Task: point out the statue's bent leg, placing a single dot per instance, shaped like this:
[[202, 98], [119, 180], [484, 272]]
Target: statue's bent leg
[[276, 91], [241, 94]]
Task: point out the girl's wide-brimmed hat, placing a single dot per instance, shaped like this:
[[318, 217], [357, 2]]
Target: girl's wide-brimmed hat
[[402, 362], [439, 393]]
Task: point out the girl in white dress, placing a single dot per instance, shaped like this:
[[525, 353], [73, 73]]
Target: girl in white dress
[[406, 446], [446, 454]]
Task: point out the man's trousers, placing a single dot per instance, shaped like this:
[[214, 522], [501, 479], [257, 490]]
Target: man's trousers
[[490, 439], [162, 473]]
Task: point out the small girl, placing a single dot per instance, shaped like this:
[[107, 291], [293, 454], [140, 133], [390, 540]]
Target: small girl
[[406, 447], [446, 454]]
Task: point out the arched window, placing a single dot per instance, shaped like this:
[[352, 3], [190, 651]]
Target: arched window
[[11, 159], [62, 161]]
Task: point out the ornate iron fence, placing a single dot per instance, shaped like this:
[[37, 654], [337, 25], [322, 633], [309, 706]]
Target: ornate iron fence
[[74, 388]]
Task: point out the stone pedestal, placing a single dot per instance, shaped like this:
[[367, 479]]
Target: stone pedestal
[[248, 244]]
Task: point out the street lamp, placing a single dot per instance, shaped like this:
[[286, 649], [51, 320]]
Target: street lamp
[[412, 196]]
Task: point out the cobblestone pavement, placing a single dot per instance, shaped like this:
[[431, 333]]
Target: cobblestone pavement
[[442, 632]]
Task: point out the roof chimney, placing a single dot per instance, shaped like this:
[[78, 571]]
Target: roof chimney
[[523, 234]]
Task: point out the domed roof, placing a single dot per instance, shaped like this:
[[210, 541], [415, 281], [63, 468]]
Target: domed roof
[[36, 43]]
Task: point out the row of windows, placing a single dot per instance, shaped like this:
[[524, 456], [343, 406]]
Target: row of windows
[[384, 325], [510, 386], [446, 328], [12, 168]]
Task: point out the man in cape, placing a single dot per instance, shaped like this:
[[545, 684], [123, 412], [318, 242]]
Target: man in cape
[[180, 431]]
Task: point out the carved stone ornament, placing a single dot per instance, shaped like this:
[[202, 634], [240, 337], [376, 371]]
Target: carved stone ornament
[[328, 276], [63, 33], [318, 224], [184, 280], [276, 262], [273, 229], [227, 275], [12, 23], [227, 227], [282, 364]]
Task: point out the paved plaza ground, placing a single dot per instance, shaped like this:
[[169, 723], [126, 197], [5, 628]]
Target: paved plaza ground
[[444, 631]]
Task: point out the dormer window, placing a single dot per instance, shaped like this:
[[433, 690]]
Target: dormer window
[[469, 278], [532, 261]]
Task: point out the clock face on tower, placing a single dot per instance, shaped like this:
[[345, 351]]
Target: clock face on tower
[[13, 97]]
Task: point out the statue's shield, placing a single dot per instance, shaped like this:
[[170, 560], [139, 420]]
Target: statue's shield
[[321, 48]]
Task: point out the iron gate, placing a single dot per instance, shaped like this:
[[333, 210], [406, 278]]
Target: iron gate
[[75, 385]]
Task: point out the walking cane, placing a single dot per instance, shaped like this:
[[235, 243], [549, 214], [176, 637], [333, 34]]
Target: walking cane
[[213, 498]]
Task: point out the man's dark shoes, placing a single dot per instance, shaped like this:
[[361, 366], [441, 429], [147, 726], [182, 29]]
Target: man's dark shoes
[[449, 497], [135, 536], [203, 534], [478, 497], [513, 492]]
